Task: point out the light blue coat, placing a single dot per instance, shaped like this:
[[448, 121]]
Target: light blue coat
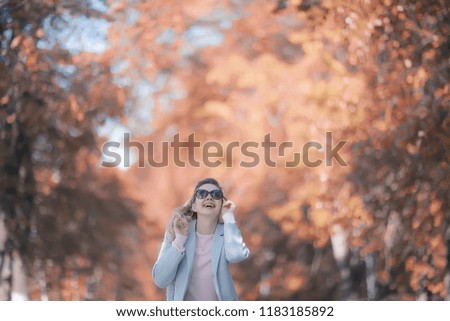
[[173, 269]]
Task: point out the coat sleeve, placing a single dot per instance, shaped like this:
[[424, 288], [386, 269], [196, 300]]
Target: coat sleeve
[[235, 248], [165, 268]]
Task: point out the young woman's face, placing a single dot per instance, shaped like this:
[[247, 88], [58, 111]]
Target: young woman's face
[[208, 200]]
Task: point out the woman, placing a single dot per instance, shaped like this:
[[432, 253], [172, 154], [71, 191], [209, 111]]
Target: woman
[[200, 242]]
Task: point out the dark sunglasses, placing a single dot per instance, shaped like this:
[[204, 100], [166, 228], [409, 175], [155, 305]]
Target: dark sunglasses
[[215, 194]]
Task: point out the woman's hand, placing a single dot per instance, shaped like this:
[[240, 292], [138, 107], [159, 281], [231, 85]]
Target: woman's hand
[[179, 223], [227, 207]]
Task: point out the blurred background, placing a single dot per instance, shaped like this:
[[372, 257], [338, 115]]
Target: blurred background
[[77, 74]]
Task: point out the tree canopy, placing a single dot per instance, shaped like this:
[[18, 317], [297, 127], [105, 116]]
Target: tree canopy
[[373, 75]]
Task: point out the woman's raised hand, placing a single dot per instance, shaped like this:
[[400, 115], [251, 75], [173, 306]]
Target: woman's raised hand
[[228, 206], [180, 223]]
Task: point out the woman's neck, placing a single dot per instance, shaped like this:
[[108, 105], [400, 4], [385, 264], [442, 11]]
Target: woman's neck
[[206, 226]]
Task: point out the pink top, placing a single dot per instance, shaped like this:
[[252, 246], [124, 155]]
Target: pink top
[[201, 287]]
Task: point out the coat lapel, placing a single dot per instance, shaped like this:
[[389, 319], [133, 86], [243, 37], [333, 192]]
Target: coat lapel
[[217, 247], [190, 247]]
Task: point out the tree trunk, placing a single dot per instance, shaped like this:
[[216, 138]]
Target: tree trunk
[[371, 276], [341, 254], [5, 262], [19, 279]]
